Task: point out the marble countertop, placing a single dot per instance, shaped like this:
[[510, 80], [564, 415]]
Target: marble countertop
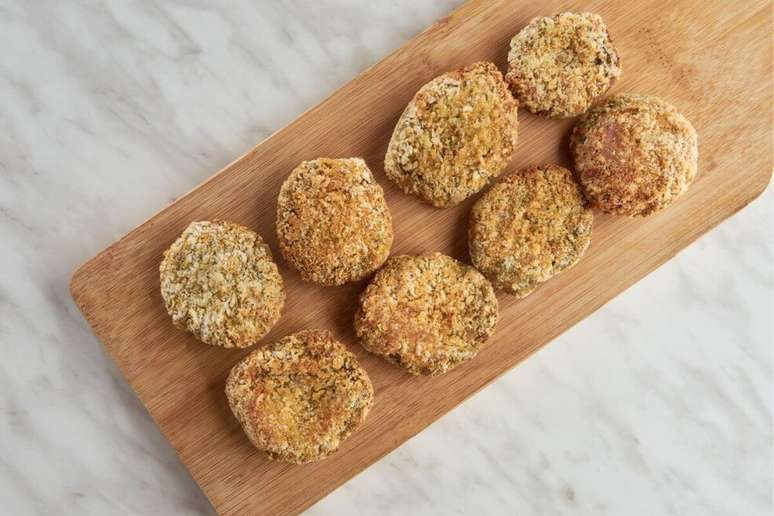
[[660, 403]]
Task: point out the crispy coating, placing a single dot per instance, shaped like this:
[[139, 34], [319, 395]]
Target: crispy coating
[[299, 398], [634, 154], [529, 227], [559, 64], [457, 133], [333, 223], [219, 282], [426, 313]]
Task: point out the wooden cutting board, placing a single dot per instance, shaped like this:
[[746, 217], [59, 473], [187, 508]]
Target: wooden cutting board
[[713, 60]]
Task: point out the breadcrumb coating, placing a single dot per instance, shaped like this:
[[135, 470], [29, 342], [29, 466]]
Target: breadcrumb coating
[[333, 223], [529, 227], [219, 282], [458, 132], [299, 398], [634, 155], [559, 64], [426, 313]]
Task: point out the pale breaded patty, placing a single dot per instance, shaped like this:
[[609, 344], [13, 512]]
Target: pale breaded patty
[[219, 282]]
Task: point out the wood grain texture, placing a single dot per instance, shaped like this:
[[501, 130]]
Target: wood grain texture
[[713, 60]]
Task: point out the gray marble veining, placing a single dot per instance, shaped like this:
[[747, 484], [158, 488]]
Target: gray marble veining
[[660, 403]]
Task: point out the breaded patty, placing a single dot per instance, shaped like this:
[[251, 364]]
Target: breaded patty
[[333, 223], [219, 282], [634, 154], [300, 397], [426, 313], [559, 64], [457, 133], [529, 227]]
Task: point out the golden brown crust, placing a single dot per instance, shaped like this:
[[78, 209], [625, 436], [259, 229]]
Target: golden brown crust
[[634, 154], [457, 133], [426, 313], [299, 398], [219, 282], [333, 223], [529, 227], [559, 64]]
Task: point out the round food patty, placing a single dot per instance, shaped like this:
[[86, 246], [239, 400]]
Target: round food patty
[[300, 397], [529, 227], [219, 282], [333, 223], [426, 313], [559, 64], [457, 133], [634, 154]]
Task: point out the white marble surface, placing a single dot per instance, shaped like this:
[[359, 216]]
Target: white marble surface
[[660, 403]]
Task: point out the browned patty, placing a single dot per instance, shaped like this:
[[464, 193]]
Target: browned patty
[[457, 133], [299, 398], [333, 223], [559, 64], [426, 313], [529, 227], [634, 154]]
